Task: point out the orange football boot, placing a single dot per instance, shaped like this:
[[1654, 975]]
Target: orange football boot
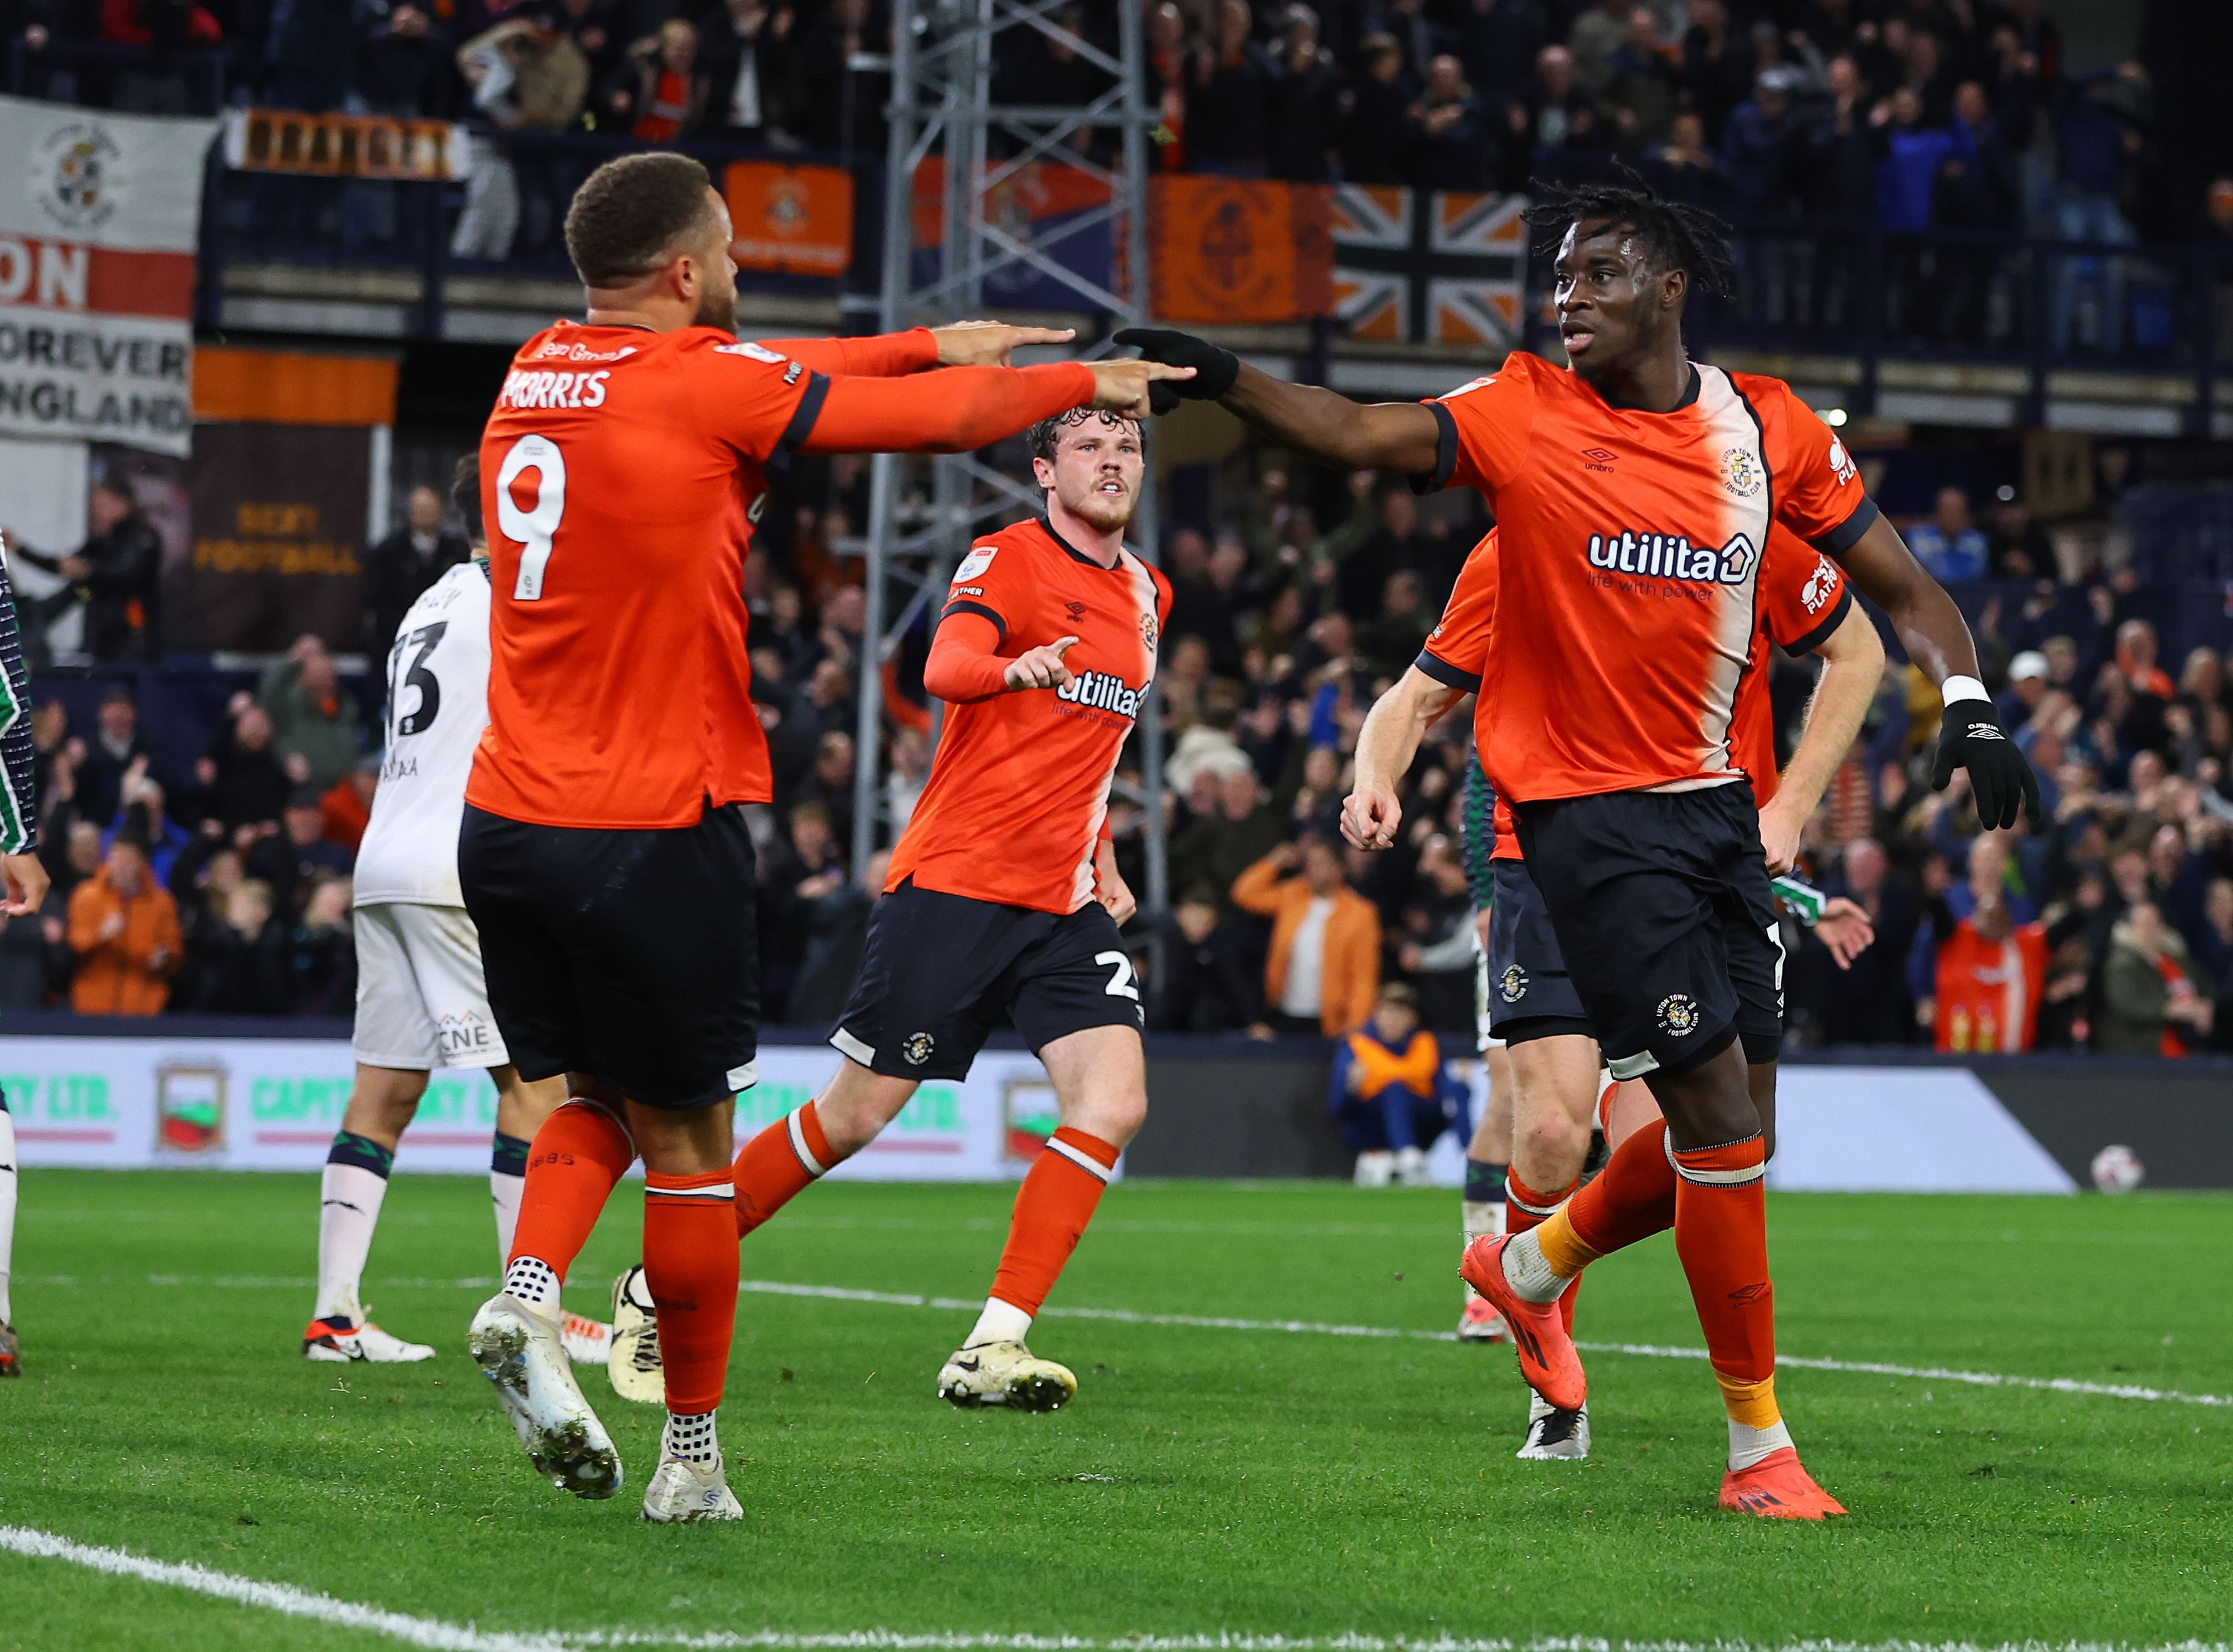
[[1777, 1489], [1537, 1331]]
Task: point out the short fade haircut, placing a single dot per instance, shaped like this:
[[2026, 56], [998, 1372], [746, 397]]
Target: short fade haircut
[[465, 496], [1674, 234], [1042, 437], [630, 214]]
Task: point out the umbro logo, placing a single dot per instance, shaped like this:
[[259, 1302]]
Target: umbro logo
[[1602, 455], [1076, 610], [1748, 1294]]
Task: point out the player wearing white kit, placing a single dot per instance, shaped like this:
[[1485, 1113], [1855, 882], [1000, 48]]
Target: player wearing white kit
[[421, 1002]]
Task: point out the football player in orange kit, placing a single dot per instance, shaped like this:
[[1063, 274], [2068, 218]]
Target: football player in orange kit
[[1534, 1005], [604, 856], [1633, 490], [1003, 899]]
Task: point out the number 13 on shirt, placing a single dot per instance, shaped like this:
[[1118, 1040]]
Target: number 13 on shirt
[[531, 529]]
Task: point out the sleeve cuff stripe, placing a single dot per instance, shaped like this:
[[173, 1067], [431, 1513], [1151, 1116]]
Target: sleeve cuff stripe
[[1831, 622], [1465, 682], [979, 610], [1847, 533], [801, 422], [1446, 451]]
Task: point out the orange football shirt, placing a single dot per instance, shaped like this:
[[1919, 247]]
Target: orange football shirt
[[1630, 568], [1803, 598], [1018, 790]]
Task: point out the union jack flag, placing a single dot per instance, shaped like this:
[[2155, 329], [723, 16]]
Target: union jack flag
[[1422, 267]]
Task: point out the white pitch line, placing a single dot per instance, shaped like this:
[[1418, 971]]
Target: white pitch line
[[434, 1633], [1642, 1350], [275, 1598]]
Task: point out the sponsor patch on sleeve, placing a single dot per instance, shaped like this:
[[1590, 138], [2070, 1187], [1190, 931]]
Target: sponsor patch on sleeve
[[978, 559]]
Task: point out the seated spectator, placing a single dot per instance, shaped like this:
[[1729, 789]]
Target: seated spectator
[[243, 781], [398, 571], [1947, 542], [1228, 89], [1389, 1093], [1205, 985], [1323, 971], [117, 743], [1450, 147], [240, 964], [321, 952], [124, 929], [1302, 101], [2153, 1001], [1991, 977], [312, 724], [1376, 131], [113, 575]]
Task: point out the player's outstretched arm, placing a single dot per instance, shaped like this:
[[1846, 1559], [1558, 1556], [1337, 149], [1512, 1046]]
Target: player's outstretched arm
[[1399, 436], [892, 356], [1937, 638], [1389, 739], [1852, 666], [964, 409]]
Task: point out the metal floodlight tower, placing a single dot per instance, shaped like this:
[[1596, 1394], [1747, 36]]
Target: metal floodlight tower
[[941, 105]]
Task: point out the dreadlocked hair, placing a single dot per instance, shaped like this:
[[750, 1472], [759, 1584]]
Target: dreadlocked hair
[[1676, 234]]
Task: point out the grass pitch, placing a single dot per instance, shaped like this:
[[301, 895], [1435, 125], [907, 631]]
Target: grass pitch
[[1206, 1481]]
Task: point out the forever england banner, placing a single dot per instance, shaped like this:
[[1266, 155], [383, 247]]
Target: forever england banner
[[99, 218]]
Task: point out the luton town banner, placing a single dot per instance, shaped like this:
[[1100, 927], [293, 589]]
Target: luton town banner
[[1235, 249], [98, 215], [1422, 267]]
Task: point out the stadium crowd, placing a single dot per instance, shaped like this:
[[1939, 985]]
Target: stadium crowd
[[215, 880]]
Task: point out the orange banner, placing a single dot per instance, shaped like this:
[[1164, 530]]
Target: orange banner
[[795, 219], [1237, 249]]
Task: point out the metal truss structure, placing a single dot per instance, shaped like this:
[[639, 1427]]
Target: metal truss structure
[[943, 110]]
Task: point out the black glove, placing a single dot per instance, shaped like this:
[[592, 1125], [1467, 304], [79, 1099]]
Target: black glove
[[1215, 367], [1972, 738]]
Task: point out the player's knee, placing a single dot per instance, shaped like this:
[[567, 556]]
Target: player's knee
[[1555, 1146], [1113, 1116]]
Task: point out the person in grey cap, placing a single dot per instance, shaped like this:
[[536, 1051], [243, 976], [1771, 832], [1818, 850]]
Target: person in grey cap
[[2028, 681]]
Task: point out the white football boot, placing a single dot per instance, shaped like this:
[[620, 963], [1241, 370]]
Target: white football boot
[[1376, 1168], [1005, 1374], [1554, 1435], [338, 1340], [685, 1491], [1479, 1322], [632, 1361], [1410, 1169], [586, 1341], [518, 1350]]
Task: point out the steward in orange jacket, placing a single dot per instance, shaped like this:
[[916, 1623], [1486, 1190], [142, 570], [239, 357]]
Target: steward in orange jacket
[[1346, 926], [124, 928]]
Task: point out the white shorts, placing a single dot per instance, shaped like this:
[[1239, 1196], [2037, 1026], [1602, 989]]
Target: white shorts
[[421, 1002]]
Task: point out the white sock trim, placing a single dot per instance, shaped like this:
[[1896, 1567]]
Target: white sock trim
[[1001, 1322], [796, 1129], [1749, 1446], [1743, 1177], [1079, 1157]]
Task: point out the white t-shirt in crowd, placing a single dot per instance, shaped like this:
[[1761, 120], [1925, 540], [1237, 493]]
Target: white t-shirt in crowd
[[1306, 961]]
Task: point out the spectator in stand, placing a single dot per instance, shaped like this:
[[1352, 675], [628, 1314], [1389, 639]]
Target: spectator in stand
[[1406, 22], [1497, 41], [666, 100], [1947, 542], [1228, 84], [242, 780], [526, 74], [1870, 1003], [313, 723], [295, 859], [796, 874], [112, 575], [1242, 827], [1206, 985], [748, 69], [117, 744], [1376, 129], [1978, 189], [1596, 34], [398, 571], [1716, 70], [347, 806], [1991, 977], [1557, 113], [1303, 101], [322, 954], [1389, 1095], [2211, 945], [157, 85], [1322, 974], [1641, 92], [124, 929], [240, 964], [306, 61], [2019, 546], [2153, 1002], [836, 934], [1686, 168], [1450, 147], [2098, 122], [403, 56]]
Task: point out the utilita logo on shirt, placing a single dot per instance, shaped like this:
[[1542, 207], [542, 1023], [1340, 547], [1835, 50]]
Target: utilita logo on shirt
[[1099, 690], [1671, 556]]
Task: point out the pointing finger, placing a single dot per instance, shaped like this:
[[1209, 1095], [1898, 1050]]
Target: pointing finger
[[1044, 334], [1165, 370], [1062, 646]]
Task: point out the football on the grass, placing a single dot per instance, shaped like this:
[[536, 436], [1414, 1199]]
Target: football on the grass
[[2118, 1169]]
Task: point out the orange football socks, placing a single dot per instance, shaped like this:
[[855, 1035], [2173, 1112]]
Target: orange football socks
[[690, 1263], [1720, 1233], [777, 1165], [1052, 1208], [1631, 1198], [578, 1155]]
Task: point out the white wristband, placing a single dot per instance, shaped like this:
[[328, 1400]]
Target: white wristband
[[1956, 688]]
